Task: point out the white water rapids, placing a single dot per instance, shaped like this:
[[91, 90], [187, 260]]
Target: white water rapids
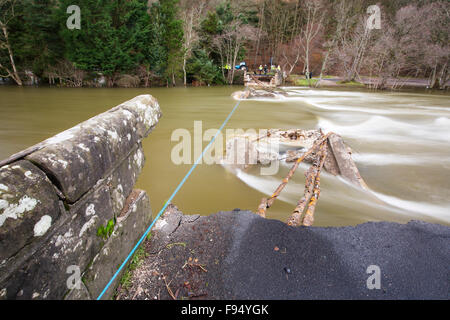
[[401, 145]]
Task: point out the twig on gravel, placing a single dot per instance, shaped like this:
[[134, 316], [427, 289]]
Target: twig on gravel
[[168, 288], [194, 264]]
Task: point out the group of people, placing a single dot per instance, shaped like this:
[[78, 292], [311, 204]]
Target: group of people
[[265, 68], [261, 69]]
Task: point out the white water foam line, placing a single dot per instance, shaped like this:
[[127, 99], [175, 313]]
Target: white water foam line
[[382, 159], [391, 204], [441, 213], [380, 128]]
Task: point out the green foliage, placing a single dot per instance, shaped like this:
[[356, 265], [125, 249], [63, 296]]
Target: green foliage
[[136, 37], [36, 43], [136, 261], [113, 38], [305, 82], [106, 231], [201, 68], [167, 39], [211, 24]]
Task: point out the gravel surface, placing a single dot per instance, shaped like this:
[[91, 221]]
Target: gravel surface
[[239, 255]]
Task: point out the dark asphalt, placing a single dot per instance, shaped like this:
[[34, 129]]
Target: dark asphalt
[[331, 263], [239, 251]]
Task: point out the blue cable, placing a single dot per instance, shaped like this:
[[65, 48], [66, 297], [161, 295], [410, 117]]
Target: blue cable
[[167, 203]]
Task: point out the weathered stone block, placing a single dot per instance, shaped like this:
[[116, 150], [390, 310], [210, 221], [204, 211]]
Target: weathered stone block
[[343, 158], [130, 226], [75, 164], [28, 207], [58, 197], [75, 243], [147, 117], [124, 177], [78, 294], [77, 158]]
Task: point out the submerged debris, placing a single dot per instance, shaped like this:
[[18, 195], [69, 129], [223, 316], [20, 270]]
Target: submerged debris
[[295, 145], [259, 92], [252, 148]]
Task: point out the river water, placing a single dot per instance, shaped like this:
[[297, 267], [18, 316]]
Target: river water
[[400, 144]]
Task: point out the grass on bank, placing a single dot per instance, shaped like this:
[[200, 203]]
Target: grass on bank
[[306, 82], [136, 261]]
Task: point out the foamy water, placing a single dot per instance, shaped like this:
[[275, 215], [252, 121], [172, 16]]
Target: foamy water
[[400, 143]]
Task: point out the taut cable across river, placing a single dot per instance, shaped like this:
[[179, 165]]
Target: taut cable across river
[[399, 142]]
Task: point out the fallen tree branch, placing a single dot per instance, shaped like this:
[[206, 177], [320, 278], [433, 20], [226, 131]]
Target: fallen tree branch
[[168, 288]]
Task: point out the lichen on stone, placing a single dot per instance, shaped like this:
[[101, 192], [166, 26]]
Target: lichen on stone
[[41, 227]]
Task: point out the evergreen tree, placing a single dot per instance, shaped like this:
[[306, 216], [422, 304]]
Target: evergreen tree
[[168, 39], [113, 37], [40, 44]]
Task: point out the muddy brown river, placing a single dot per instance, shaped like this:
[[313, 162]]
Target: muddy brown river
[[400, 144]]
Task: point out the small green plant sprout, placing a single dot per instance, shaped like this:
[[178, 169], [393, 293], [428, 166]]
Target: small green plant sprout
[[106, 231]]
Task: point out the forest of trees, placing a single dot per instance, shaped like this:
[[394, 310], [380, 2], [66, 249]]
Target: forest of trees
[[131, 43]]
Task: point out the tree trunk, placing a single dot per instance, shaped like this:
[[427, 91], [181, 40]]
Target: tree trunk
[[184, 71], [324, 65], [433, 83], [14, 74], [443, 77]]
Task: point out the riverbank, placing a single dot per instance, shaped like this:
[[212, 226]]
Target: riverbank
[[239, 255], [364, 82], [292, 80]]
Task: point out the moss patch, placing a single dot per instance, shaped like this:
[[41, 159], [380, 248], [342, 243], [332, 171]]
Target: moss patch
[[306, 82], [106, 231], [136, 261]]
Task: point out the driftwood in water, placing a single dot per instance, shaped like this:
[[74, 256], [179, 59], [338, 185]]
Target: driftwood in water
[[311, 174], [259, 92], [334, 156], [291, 145], [267, 202], [266, 80]]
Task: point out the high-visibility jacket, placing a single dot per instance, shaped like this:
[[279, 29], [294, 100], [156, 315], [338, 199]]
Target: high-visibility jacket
[[260, 67]]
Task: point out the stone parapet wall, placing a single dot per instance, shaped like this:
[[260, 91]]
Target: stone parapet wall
[[69, 203]]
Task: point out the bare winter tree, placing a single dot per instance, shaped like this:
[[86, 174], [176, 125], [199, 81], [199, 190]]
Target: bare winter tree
[[7, 14], [395, 49], [291, 54], [350, 51], [279, 21], [342, 19], [67, 74], [303, 37], [230, 42], [314, 18], [436, 20], [400, 51], [191, 20]]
